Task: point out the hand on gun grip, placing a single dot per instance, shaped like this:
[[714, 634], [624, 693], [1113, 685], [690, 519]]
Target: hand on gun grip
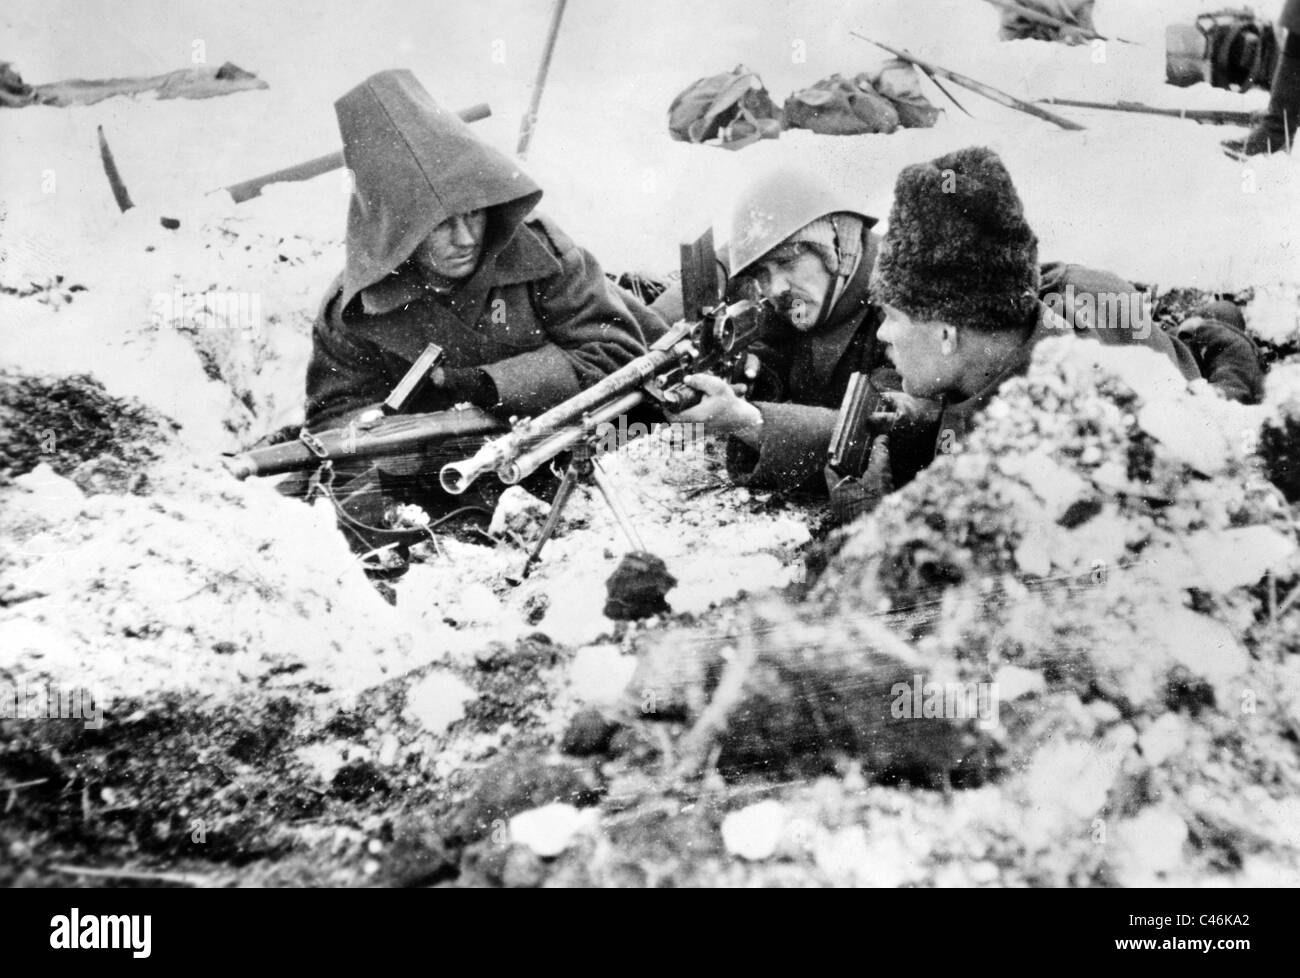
[[466, 385], [722, 409], [851, 497]]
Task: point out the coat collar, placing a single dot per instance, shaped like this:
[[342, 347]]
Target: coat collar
[[823, 350], [524, 258], [960, 414]]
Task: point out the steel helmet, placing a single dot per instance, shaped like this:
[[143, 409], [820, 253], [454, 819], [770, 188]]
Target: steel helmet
[[776, 206]]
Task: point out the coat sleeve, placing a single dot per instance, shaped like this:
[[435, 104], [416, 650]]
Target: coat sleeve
[[791, 450], [590, 329], [795, 437], [1229, 359], [345, 374], [1101, 305]]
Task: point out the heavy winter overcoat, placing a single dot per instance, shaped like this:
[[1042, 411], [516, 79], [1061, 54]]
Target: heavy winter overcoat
[[537, 316]]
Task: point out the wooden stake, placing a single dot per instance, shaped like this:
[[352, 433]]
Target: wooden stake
[[988, 91], [529, 121], [1217, 117], [248, 189], [114, 178]]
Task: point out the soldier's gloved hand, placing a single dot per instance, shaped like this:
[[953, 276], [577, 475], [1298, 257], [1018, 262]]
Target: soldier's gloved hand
[[722, 409], [467, 384], [851, 497]]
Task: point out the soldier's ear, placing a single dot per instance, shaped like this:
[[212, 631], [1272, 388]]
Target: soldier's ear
[[947, 339]]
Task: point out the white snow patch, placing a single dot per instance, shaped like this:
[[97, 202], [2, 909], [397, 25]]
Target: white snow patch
[[599, 673], [551, 829], [754, 832], [437, 701]]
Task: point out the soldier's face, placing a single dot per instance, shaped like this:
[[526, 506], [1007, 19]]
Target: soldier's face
[[454, 247], [794, 279], [924, 353]]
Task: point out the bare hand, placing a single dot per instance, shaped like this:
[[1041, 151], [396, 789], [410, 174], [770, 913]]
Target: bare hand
[[722, 410], [914, 409]]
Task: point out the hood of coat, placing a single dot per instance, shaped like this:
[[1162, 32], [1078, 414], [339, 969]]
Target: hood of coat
[[817, 354], [415, 164]]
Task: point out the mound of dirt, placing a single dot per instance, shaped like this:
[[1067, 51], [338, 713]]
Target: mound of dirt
[[1105, 558], [1105, 547], [67, 421]]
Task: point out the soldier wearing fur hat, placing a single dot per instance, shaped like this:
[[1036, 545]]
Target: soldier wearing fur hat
[[959, 280]]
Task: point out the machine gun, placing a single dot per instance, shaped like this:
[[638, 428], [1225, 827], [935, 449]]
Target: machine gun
[[382, 431], [711, 337]]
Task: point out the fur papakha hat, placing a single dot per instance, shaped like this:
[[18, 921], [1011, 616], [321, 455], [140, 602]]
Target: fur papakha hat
[[958, 249]]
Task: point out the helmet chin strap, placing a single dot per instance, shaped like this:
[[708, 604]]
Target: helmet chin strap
[[848, 255]]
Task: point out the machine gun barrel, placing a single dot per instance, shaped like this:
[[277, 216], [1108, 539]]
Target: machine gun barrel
[[538, 455], [703, 345], [708, 337], [456, 477], [386, 436]]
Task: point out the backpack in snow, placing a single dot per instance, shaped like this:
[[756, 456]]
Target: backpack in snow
[[730, 110], [900, 82], [837, 106]]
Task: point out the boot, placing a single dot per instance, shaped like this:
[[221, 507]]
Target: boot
[[1276, 131]]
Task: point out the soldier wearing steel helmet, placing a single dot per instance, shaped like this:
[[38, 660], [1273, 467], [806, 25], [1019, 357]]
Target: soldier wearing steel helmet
[[809, 250]]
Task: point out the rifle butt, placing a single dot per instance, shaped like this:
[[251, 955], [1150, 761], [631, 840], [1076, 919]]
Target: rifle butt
[[393, 435]]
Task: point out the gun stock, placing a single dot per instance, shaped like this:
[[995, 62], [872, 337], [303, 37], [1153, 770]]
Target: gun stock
[[371, 436]]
